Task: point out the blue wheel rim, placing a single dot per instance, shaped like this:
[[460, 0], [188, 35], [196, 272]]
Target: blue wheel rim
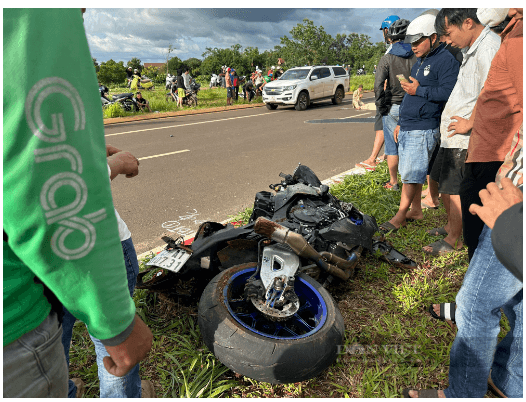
[[308, 320]]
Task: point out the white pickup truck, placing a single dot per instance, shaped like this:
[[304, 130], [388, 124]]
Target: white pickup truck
[[301, 86]]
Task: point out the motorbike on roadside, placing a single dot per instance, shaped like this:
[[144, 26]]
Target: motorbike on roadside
[[141, 83], [190, 98], [265, 308], [125, 100]]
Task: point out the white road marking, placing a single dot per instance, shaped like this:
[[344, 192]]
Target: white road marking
[[169, 153], [191, 124], [356, 115]]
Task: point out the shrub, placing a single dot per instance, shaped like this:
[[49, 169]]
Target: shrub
[[114, 110], [366, 80]]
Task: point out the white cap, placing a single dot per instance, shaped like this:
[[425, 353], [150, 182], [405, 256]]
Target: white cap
[[492, 16], [273, 68], [423, 25]]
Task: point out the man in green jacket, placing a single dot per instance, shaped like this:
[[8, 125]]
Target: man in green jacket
[[61, 242]]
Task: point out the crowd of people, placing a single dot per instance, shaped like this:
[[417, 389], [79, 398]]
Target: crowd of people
[[72, 257]]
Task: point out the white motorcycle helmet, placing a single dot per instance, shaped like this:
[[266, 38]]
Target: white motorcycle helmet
[[421, 26]]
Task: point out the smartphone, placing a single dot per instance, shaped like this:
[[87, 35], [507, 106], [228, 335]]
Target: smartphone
[[401, 78]]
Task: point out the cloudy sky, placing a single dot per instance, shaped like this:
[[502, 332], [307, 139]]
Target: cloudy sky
[[121, 34]]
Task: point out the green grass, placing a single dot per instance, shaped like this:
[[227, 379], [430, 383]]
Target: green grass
[[366, 80], [208, 98], [390, 340]]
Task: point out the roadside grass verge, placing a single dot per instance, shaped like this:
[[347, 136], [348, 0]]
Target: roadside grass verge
[[366, 80], [390, 342], [208, 98]]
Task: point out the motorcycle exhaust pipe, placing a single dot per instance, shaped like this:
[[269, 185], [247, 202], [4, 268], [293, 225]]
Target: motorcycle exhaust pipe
[[301, 247]]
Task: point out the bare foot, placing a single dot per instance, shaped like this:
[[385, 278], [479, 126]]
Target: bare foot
[[430, 201], [417, 216]]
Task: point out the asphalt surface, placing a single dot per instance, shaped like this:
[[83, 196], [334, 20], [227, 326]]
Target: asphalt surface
[[207, 167]]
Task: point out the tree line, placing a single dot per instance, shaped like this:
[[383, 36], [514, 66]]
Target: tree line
[[308, 44]]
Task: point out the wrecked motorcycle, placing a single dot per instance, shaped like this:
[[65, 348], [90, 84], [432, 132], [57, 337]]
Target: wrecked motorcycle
[[265, 311]]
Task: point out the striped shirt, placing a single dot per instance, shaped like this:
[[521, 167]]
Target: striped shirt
[[471, 77]]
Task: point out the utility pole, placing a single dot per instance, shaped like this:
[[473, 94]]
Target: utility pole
[[170, 48]]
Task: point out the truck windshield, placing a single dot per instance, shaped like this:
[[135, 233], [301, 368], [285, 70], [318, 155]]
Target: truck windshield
[[299, 74]]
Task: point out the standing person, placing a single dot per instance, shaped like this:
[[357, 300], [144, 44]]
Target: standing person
[[259, 81], [235, 84], [181, 89], [228, 83], [370, 163], [129, 76], [432, 78], [388, 98], [187, 78], [492, 128], [247, 89], [222, 76], [58, 253], [129, 386], [460, 28], [357, 98]]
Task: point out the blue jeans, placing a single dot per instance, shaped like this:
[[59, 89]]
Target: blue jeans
[[415, 148], [34, 364], [111, 386], [390, 122], [488, 287]]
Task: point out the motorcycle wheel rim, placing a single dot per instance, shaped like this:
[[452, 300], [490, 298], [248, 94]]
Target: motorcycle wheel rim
[[308, 320]]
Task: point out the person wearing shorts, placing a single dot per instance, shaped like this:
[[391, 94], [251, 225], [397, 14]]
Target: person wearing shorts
[[432, 79], [181, 89], [229, 87], [461, 28]]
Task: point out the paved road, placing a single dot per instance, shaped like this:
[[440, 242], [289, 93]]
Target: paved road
[[207, 167]]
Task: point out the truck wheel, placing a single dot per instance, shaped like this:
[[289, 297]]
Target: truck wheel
[[302, 102], [281, 352], [271, 106], [338, 96]]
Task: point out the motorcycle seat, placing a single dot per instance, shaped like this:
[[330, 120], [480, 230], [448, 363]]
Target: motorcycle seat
[[126, 95]]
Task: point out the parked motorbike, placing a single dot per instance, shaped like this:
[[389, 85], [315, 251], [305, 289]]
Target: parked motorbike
[[265, 310], [360, 71], [169, 79], [125, 100], [191, 94], [215, 81]]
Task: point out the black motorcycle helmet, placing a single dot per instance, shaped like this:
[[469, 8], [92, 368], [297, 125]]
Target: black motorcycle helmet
[[398, 29]]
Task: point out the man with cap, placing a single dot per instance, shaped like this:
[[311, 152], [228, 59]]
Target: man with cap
[[432, 79], [228, 83], [370, 163], [460, 28], [129, 76]]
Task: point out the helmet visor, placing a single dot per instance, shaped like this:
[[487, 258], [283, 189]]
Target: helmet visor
[[413, 38]]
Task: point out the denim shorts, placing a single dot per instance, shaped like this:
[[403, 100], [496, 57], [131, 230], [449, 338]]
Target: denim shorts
[[390, 121], [414, 150]]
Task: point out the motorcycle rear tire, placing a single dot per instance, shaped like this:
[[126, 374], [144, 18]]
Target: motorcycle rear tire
[[276, 360], [192, 101]]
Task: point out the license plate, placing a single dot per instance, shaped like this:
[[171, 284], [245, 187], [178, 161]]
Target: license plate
[[272, 98], [172, 260]]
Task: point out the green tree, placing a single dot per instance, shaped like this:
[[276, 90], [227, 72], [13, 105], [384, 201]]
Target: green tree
[[135, 63], [309, 45], [95, 64], [111, 72], [152, 72], [174, 64], [194, 65]]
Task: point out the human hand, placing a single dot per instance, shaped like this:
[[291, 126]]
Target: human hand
[[110, 150], [460, 126], [123, 162], [125, 356], [410, 87], [395, 133], [495, 201]]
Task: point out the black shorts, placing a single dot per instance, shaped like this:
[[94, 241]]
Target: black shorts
[[229, 92], [448, 170], [378, 124]]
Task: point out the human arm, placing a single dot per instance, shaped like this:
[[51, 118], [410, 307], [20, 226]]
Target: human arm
[[123, 162], [54, 166], [382, 74]]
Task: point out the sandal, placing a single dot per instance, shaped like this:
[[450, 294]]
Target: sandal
[[387, 227], [425, 206], [365, 166], [447, 312], [389, 186], [422, 393], [493, 388], [437, 232], [440, 247]]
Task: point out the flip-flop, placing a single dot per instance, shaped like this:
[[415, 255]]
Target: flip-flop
[[422, 393], [387, 227], [437, 231], [440, 247], [425, 206], [493, 388], [365, 166], [447, 312]]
